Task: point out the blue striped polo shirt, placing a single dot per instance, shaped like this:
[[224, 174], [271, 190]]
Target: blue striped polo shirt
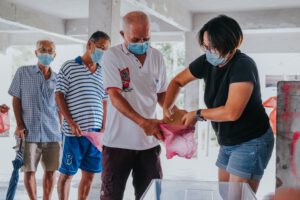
[[83, 93]]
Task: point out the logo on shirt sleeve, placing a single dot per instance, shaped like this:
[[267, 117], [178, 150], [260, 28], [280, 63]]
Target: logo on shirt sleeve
[[125, 76]]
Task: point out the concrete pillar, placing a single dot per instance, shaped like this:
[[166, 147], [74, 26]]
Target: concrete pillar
[[192, 51], [4, 42], [194, 92], [104, 15]]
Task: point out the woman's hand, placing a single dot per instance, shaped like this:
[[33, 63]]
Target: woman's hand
[[167, 114], [189, 119], [179, 81]]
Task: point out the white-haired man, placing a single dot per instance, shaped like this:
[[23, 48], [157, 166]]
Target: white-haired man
[[37, 118]]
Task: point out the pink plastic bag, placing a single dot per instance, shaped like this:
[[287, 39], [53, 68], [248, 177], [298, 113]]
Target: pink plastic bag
[[4, 122], [179, 140], [95, 138]]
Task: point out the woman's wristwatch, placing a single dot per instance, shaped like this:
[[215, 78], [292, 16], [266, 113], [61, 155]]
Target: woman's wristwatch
[[199, 117]]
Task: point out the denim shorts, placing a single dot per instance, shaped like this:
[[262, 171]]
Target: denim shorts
[[249, 159]]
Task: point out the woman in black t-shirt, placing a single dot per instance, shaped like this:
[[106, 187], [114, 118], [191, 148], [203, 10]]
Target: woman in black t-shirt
[[233, 99]]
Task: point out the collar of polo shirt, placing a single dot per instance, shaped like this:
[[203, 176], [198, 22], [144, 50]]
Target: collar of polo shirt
[[37, 70], [124, 48]]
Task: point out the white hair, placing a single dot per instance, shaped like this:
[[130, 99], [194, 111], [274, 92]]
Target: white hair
[[39, 43]]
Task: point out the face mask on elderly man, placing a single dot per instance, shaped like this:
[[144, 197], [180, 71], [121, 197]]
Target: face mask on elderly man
[[45, 58], [97, 55], [138, 48]]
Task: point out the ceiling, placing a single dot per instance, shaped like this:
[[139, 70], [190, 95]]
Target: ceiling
[[79, 9], [205, 6], [65, 9], [72, 9]]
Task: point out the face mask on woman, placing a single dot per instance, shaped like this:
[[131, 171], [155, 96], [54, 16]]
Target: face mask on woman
[[138, 48], [45, 58], [97, 55], [214, 58]]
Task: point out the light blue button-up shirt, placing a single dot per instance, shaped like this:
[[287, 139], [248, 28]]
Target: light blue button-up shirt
[[39, 109]]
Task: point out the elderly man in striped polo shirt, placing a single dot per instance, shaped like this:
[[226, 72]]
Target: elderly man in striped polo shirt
[[80, 95], [37, 115]]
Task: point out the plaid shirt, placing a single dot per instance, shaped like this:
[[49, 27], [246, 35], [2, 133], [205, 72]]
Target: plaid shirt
[[39, 109]]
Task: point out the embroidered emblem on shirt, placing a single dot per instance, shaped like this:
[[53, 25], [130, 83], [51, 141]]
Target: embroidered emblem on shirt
[[125, 76]]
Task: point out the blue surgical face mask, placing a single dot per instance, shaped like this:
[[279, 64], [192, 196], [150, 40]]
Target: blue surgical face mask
[[138, 48], [214, 58], [97, 55], [45, 58]]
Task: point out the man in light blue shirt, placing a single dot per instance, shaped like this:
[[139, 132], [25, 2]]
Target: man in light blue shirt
[[37, 118]]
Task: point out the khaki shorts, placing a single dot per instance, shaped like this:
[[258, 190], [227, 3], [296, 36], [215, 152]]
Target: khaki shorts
[[47, 152]]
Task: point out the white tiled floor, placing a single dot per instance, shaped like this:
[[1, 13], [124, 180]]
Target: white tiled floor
[[202, 168]]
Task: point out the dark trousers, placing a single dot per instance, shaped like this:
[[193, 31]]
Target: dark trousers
[[117, 165]]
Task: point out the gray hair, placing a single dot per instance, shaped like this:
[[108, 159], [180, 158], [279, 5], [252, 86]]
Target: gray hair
[[40, 42]]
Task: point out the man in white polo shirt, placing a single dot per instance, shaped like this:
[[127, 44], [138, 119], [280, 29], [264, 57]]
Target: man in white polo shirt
[[135, 79]]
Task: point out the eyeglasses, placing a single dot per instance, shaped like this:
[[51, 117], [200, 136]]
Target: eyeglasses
[[207, 48], [44, 50]]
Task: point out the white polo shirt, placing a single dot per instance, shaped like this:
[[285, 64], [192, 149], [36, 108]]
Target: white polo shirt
[[139, 85]]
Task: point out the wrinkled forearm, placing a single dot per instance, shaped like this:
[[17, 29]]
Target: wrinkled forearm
[[60, 101], [122, 105]]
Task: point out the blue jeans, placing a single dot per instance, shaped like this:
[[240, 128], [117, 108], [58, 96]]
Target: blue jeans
[[249, 159]]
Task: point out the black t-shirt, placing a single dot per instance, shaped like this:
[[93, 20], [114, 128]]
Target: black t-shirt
[[254, 121]]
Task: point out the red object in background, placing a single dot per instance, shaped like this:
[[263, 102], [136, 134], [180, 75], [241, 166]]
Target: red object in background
[[295, 154], [179, 140], [272, 103], [4, 122]]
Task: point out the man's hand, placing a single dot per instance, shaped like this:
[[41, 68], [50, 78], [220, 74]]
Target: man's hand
[[21, 132], [102, 130], [75, 129], [4, 108], [151, 128]]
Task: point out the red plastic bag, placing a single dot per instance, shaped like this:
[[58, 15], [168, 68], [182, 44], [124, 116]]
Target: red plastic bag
[[179, 140], [272, 103], [4, 122], [95, 138]]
